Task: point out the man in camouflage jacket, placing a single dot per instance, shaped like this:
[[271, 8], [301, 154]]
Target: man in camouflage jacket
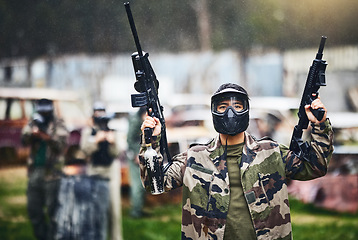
[[46, 135], [210, 194]]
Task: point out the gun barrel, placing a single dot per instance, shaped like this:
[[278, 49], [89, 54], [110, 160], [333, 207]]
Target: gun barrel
[[133, 28], [320, 49]]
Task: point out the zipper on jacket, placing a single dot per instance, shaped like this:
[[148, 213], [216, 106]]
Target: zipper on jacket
[[263, 189]]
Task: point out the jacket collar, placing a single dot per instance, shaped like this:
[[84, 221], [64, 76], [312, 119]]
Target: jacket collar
[[250, 143], [249, 152]]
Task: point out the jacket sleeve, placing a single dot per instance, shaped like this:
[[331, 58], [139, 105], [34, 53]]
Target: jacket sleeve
[[114, 147], [173, 177], [88, 143], [26, 135], [321, 143], [59, 135]]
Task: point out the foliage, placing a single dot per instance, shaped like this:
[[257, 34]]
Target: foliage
[[163, 223], [310, 222], [34, 28], [14, 222]]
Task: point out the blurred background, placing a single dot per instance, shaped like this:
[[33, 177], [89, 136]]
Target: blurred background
[[78, 52]]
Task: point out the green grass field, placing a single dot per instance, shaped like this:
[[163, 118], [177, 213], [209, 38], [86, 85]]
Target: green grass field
[[164, 220]]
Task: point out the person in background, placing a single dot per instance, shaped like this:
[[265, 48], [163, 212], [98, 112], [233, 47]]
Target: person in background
[[99, 144], [137, 191], [46, 135], [235, 186]]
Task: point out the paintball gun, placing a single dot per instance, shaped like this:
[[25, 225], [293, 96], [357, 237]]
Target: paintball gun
[[39, 121], [102, 156], [147, 85], [102, 122], [315, 79]]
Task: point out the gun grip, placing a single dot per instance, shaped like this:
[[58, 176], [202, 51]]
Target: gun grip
[[318, 113]]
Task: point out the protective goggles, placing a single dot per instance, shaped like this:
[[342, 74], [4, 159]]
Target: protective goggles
[[222, 104]]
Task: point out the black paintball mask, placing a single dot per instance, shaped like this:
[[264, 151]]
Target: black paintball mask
[[44, 113], [230, 109], [100, 117]]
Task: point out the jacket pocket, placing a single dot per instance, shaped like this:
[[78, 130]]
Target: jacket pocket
[[250, 197], [261, 183], [201, 169], [198, 182]]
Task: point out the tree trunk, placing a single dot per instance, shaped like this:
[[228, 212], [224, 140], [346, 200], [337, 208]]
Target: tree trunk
[[203, 15]]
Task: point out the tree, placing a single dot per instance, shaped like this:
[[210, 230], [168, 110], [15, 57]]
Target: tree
[[203, 15], [37, 28]]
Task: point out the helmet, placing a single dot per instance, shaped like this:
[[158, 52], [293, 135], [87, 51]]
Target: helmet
[[44, 105], [230, 109], [99, 106], [44, 112], [100, 117]]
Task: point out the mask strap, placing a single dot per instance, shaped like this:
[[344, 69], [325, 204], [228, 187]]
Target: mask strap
[[225, 151]]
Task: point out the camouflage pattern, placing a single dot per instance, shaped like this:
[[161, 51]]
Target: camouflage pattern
[[55, 147], [43, 182], [265, 168], [89, 145]]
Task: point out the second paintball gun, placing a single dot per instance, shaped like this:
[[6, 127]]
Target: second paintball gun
[[315, 79]]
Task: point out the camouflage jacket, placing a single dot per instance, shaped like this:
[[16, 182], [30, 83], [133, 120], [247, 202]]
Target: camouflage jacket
[[265, 168], [89, 146], [55, 147]]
